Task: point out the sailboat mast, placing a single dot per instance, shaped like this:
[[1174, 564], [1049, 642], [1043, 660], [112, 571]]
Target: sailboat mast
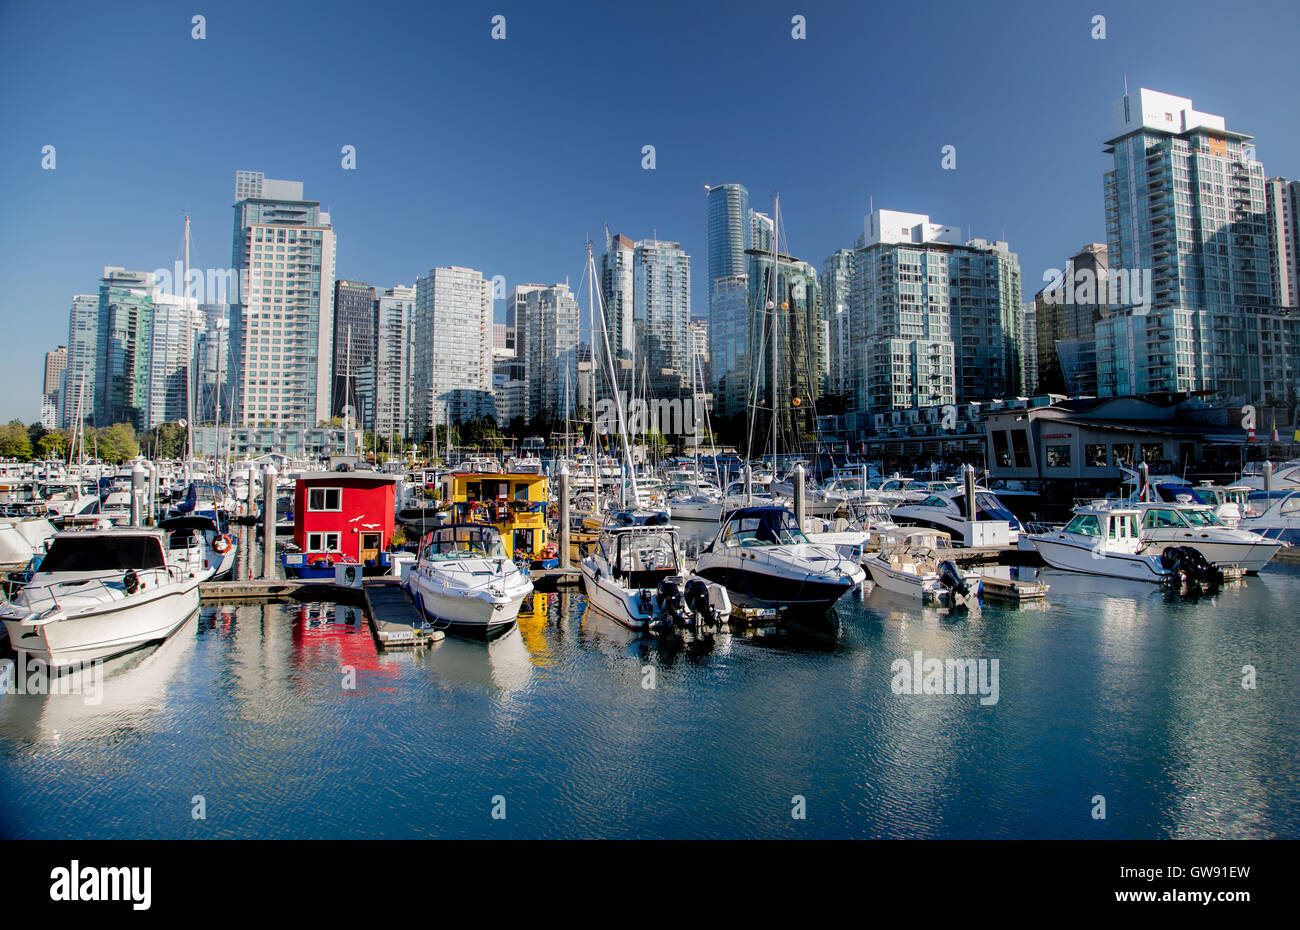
[[591, 311], [347, 383], [189, 348], [772, 305]]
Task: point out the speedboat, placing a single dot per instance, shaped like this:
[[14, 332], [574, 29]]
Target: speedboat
[[100, 593], [464, 582], [1279, 518], [1101, 541], [635, 575], [218, 546], [920, 564], [1187, 524], [764, 560], [946, 511]]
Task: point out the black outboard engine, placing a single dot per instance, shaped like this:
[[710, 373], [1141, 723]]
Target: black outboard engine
[[672, 605], [1188, 566], [951, 579], [697, 599]]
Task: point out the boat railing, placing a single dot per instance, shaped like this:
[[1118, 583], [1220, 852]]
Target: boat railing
[[109, 587]]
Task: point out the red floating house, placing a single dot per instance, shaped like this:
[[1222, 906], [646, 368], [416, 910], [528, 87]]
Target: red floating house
[[341, 517]]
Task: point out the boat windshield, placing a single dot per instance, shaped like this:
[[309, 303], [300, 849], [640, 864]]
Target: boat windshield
[[763, 528], [1200, 517], [463, 542], [647, 552], [103, 553], [1085, 524]]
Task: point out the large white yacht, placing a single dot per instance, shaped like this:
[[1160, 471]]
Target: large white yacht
[[465, 584], [99, 593], [764, 560]]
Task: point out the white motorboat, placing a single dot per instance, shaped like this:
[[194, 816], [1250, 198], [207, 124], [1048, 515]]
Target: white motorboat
[[465, 584], [1187, 524], [635, 575], [1279, 518], [1286, 477], [1101, 541], [946, 510], [920, 564], [101, 593], [764, 560], [218, 548], [858, 538]]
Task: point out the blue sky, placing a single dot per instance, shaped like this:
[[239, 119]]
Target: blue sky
[[506, 155]]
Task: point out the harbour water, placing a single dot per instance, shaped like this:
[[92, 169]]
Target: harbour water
[[282, 720]]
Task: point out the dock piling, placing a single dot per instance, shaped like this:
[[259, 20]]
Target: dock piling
[[268, 521], [137, 494], [800, 505], [564, 516]]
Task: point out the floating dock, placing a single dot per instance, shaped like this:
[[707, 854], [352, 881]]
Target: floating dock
[[395, 621], [548, 579], [1012, 589], [275, 588]]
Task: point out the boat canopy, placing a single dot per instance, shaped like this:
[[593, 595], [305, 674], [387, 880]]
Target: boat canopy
[[462, 541], [761, 526]]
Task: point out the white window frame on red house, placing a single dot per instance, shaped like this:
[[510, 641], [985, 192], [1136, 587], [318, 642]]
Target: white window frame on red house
[[325, 492], [323, 538]]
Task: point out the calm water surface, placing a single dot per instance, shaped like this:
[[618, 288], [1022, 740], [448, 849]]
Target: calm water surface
[[1108, 689]]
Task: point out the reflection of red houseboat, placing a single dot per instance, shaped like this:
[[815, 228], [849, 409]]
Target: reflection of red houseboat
[[341, 518]]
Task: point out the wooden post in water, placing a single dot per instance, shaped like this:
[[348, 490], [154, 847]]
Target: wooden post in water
[[250, 495], [564, 516], [968, 477], [268, 521]]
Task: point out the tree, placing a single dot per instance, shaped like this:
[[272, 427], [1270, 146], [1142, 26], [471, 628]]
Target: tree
[[53, 444], [14, 441], [117, 443]]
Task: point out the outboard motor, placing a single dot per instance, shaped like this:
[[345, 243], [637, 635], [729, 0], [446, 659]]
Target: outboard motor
[[672, 606], [1188, 566], [697, 599], [951, 579]]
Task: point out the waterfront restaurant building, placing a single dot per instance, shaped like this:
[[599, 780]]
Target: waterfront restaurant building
[[1090, 439]]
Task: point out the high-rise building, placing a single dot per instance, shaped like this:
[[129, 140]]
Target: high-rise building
[[1066, 313], [282, 328], [662, 313], [616, 289], [1282, 200], [174, 331], [547, 339], [798, 356], [837, 303], [698, 336], [1186, 212], [1029, 345], [212, 403], [56, 363], [984, 300], [730, 231], [124, 347], [79, 378], [451, 337], [394, 312], [901, 286], [729, 337], [354, 351]]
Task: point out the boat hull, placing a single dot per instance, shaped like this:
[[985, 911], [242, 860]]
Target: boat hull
[[121, 627], [1079, 558], [751, 587], [472, 617]]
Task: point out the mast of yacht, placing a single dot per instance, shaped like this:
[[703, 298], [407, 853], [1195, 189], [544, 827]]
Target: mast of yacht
[[189, 349], [772, 307], [591, 312], [613, 377], [347, 383]]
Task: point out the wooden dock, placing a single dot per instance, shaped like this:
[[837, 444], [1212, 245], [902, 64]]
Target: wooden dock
[[1012, 589], [548, 579], [277, 588], [395, 621]]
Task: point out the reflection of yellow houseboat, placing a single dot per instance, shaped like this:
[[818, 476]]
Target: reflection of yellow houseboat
[[513, 503]]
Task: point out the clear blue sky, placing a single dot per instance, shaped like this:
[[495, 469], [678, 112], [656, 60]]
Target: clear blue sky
[[505, 155]]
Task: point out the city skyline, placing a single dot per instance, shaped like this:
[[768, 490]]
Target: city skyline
[[510, 210]]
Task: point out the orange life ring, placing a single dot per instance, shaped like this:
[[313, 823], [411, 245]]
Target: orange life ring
[[221, 544]]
